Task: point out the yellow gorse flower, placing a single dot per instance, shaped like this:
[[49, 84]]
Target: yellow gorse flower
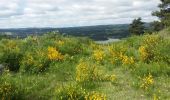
[[86, 71], [143, 53], [98, 55], [152, 40], [111, 78], [127, 60], [147, 81], [81, 71], [95, 96], [53, 54]]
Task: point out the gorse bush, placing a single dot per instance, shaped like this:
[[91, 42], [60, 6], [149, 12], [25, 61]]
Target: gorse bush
[[72, 92], [87, 71], [148, 46], [95, 96], [11, 54], [71, 46], [35, 62], [53, 54], [9, 90], [98, 55], [147, 82]]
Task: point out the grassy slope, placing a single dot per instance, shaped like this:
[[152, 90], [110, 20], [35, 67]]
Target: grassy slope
[[32, 85], [165, 33]]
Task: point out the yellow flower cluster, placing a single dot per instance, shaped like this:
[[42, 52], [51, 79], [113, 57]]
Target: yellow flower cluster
[[147, 81], [77, 93], [98, 55], [81, 71], [155, 97], [110, 77], [95, 96], [86, 71], [143, 53], [70, 92], [126, 60], [89, 72], [53, 54], [119, 55], [152, 40], [30, 59]]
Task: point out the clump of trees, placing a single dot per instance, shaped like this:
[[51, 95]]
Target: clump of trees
[[163, 14], [137, 27]]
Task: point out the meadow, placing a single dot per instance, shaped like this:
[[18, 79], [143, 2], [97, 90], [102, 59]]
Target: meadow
[[56, 67]]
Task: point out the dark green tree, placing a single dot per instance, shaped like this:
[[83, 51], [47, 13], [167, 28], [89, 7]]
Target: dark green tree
[[137, 27], [163, 14], [156, 26]]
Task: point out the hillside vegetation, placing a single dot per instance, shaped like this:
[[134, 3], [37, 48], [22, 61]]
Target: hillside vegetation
[[53, 67], [165, 33]]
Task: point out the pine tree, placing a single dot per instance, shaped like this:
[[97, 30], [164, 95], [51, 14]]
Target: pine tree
[[137, 27], [163, 14]]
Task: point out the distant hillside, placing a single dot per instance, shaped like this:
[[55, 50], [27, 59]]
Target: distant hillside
[[101, 32]]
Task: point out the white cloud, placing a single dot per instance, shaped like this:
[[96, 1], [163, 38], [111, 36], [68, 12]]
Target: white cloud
[[63, 13]]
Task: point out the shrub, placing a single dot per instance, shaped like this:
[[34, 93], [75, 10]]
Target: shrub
[[72, 92], [70, 46], [147, 82], [98, 55], [35, 61], [53, 54], [87, 71], [148, 47], [9, 91], [11, 54], [95, 96], [144, 54], [120, 57]]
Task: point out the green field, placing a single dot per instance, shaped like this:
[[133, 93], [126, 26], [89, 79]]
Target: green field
[[54, 67]]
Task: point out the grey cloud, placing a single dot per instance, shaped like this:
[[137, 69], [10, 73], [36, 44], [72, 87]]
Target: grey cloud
[[62, 13]]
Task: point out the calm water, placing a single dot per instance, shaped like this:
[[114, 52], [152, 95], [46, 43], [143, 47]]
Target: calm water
[[107, 41]]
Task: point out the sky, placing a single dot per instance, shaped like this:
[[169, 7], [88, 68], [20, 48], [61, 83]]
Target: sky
[[70, 13]]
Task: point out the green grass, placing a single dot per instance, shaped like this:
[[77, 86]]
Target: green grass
[[165, 33], [110, 71]]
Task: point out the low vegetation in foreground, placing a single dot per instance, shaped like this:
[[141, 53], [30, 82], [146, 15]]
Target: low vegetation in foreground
[[53, 67]]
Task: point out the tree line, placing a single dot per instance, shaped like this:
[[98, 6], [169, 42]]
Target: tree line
[[137, 26]]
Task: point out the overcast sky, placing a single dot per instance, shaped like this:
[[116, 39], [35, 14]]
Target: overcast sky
[[66, 13]]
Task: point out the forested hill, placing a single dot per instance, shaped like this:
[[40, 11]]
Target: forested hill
[[100, 32]]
